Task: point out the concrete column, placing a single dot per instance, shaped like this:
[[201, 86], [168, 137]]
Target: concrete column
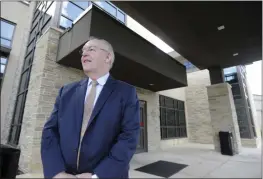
[[223, 114], [216, 75], [47, 77]]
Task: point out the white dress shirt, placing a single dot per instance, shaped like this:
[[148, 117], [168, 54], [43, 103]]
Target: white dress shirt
[[101, 82]]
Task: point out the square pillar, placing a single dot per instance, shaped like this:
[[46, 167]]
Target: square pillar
[[223, 114]]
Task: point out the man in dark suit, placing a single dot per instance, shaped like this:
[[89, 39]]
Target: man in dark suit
[[94, 127]]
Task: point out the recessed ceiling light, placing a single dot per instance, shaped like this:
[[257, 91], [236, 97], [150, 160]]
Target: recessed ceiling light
[[221, 27], [235, 54], [151, 84]]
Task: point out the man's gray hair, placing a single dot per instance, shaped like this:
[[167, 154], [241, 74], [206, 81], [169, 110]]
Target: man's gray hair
[[110, 48]]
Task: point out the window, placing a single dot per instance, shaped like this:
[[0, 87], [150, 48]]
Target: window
[[231, 78], [7, 31], [113, 10], [70, 12], [108, 7], [3, 63], [236, 89], [83, 5], [26, 2], [172, 118], [230, 70], [41, 21], [188, 65], [121, 16], [3, 66]]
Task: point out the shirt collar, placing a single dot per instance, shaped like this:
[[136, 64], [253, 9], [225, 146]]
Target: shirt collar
[[102, 80]]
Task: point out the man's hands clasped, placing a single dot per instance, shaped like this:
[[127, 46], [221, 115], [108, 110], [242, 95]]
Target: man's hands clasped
[[66, 175]]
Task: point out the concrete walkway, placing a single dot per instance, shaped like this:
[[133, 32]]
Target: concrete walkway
[[202, 161]]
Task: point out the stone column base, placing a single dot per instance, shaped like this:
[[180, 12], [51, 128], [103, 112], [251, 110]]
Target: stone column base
[[223, 114], [251, 143]]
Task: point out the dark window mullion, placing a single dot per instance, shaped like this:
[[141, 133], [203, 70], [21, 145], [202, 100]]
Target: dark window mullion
[[5, 38], [38, 6], [166, 122], [45, 23], [26, 69], [19, 94], [65, 16], [77, 5], [11, 137], [20, 117], [32, 29], [31, 41], [16, 125], [175, 123], [36, 17], [42, 14]]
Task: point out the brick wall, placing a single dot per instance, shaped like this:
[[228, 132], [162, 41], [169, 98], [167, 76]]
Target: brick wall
[[177, 93], [198, 118]]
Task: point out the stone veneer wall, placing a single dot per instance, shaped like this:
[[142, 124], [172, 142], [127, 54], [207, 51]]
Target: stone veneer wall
[[153, 118], [223, 114], [46, 79], [15, 60], [170, 143], [199, 128], [251, 143], [257, 125], [258, 99]]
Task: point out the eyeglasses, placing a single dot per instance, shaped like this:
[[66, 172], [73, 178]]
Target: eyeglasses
[[91, 49]]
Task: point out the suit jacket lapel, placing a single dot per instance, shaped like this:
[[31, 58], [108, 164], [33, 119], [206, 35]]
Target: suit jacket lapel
[[80, 93], [104, 95]]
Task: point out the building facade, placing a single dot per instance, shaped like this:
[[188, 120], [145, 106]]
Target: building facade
[[35, 64], [258, 105], [236, 76]]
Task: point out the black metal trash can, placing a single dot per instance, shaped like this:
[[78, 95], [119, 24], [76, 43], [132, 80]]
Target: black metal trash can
[[226, 143], [9, 158]]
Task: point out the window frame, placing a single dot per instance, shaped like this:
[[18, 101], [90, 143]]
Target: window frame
[[13, 34], [16, 123], [2, 78], [98, 6], [177, 122], [25, 2], [67, 17], [125, 16]]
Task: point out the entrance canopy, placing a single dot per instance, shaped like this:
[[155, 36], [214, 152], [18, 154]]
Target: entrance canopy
[[208, 34], [137, 61]]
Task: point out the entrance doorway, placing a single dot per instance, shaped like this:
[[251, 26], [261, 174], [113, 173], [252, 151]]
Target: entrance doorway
[[142, 143]]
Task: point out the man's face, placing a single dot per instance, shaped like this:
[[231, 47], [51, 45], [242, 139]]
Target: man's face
[[94, 56]]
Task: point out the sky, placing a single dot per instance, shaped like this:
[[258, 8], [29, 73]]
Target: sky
[[254, 77]]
